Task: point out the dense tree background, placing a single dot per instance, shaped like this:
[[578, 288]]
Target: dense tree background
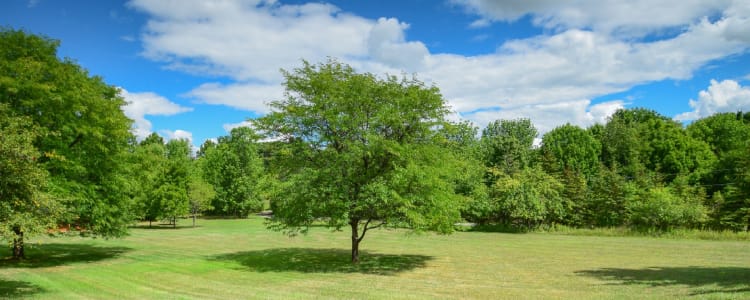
[[639, 169]]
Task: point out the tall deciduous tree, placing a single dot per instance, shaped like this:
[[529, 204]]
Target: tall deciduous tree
[[571, 148], [572, 153], [362, 152], [235, 169], [147, 165], [507, 144], [461, 139], [168, 185], [172, 186], [83, 133], [641, 139]]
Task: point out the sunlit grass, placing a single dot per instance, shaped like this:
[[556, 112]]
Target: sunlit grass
[[240, 259], [677, 233]]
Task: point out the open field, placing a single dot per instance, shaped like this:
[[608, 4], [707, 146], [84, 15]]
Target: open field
[[240, 259]]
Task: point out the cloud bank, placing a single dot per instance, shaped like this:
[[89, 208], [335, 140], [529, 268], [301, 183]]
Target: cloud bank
[[587, 50]]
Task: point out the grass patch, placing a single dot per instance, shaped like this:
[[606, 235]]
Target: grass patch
[[240, 259], [679, 233]]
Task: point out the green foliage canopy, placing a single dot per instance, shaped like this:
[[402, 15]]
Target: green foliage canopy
[[507, 144], [82, 132], [235, 169], [361, 151], [572, 148], [528, 198]]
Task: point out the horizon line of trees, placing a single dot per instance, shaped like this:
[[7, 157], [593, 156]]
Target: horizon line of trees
[[640, 169]]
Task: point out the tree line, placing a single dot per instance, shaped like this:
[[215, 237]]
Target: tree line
[[640, 169], [351, 150]]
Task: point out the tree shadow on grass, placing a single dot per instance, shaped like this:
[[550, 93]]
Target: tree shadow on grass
[[51, 255], [12, 289], [312, 260], [703, 279]]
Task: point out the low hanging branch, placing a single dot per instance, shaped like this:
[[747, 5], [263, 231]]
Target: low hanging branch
[[366, 228]]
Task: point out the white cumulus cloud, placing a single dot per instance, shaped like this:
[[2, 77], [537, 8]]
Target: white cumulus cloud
[[629, 18], [177, 135], [229, 126], [139, 105], [546, 117], [248, 39], [246, 96], [387, 44], [724, 96]]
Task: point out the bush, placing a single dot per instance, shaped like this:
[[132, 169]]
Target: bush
[[659, 208]]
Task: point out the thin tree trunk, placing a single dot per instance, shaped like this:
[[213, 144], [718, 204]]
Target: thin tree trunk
[[193, 220], [18, 246], [355, 242]]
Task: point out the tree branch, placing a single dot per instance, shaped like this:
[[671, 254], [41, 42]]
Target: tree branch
[[77, 139], [367, 227], [364, 230]]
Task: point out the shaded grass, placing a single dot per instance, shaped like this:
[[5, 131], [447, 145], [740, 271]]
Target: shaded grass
[[17, 289], [240, 259], [58, 254], [310, 260], [726, 279]]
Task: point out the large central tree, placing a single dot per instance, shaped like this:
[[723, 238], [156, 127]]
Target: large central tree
[[360, 151]]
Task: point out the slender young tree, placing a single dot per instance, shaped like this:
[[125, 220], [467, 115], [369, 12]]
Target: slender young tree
[[360, 151], [148, 164]]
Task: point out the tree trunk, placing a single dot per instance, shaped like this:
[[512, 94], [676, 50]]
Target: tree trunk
[[18, 244], [355, 242], [174, 222], [193, 220]]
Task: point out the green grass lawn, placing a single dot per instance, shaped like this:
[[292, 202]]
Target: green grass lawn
[[240, 259]]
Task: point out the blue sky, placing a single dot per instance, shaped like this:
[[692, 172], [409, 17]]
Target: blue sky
[[195, 69]]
